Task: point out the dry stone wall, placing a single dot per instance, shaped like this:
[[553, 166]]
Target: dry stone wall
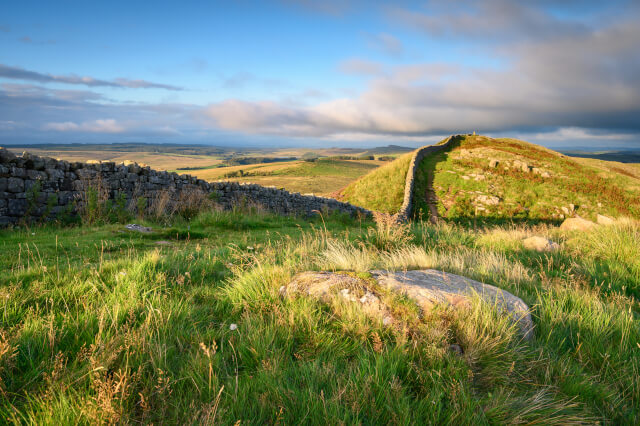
[[34, 188], [406, 210]]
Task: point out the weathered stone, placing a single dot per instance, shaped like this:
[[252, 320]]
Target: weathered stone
[[490, 200], [605, 220], [17, 207], [330, 286], [577, 224], [55, 174], [427, 288], [6, 155], [15, 184], [3, 184], [541, 244], [138, 228], [493, 163]]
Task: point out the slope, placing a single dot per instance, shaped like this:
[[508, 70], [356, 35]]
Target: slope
[[382, 189], [511, 179]]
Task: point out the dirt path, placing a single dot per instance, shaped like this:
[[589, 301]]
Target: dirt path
[[432, 200]]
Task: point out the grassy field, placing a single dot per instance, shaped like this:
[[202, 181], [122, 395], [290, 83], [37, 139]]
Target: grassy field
[[100, 325]]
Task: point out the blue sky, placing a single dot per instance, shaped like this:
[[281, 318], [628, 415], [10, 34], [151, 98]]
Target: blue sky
[[320, 73]]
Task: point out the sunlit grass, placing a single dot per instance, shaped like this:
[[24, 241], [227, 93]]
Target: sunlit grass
[[102, 326]]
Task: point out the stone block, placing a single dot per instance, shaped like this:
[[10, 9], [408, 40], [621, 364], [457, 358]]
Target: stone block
[[17, 207], [15, 184]]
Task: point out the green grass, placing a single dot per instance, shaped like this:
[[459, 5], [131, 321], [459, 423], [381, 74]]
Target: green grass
[[382, 189], [103, 325], [523, 196], [329, 167]]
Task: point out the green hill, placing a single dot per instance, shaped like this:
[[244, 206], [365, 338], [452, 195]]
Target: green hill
[[503, 179], [382, 189]]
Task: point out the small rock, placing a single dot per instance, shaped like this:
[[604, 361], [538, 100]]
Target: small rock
[[456, 348], [490, 200], [163, 243], [493, 163], [464, 177], [605, 220], [138, 228], [577, 224], [540, 244]]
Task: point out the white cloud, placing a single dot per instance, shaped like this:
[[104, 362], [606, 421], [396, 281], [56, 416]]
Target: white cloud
[[96, 126], [579, 134], [360, 66], [386, 43]]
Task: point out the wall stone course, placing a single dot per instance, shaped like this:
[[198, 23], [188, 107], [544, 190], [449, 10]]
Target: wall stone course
[[67, 182]]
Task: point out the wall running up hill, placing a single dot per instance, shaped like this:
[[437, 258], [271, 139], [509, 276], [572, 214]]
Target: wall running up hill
[[406, 210], [32, 188]]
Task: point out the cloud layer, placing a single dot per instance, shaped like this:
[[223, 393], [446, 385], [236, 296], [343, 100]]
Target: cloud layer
[[552, 73], [17, 73], [557, 71]]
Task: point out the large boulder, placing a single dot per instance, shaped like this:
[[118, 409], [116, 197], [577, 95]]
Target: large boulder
[[577, 224], [426, 287], [538, 243]]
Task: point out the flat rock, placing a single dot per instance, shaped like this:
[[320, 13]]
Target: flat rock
[[425, 287], [577, 224], [138, 228], [605, 220], [538, 243], [430, 287], [331, 286]]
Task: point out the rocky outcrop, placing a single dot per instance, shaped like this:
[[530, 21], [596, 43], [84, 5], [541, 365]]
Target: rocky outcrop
[[33, 187], [426, 288]]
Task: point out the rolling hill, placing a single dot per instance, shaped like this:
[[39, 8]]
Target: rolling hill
[[503, 179]]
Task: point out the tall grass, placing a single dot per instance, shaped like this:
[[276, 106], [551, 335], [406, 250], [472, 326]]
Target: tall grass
[[98, 326]]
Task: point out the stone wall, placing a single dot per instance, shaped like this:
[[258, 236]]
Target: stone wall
[[34, 188], [406, 210]]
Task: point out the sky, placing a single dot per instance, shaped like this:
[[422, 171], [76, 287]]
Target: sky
[[560, 73]]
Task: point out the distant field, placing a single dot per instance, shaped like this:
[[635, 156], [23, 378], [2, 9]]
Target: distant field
[[319, 177]]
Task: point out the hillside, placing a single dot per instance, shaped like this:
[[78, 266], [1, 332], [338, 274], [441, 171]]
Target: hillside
[[381, 189], [504, 179]]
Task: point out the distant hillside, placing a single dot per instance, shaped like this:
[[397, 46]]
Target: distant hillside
[[503, 179], [390, 149], [619, 156]]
